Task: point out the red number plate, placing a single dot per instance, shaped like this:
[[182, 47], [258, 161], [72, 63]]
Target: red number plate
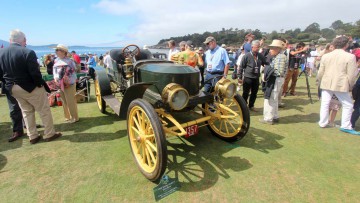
[[192, 130]]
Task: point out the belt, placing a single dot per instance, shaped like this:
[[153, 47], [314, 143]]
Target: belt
[[216, 72]]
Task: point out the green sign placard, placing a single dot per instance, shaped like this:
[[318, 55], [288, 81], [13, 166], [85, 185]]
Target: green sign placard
[[166, 187]]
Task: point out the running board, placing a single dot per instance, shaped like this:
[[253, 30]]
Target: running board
[[113, 102]]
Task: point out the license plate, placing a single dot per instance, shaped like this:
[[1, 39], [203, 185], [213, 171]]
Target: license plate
[[192, 130]]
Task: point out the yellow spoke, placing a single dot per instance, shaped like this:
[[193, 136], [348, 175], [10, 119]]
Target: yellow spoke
[[137, 147], [231, 125], [151, 145], [136, 123], [147, 157], [136, 130], [151, 154], [149, 136], [143, 152], [139, 119], [143, 120], [221, 123], [227, 130]]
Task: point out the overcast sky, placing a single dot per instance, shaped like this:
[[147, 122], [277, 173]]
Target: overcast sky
[[121, 22]]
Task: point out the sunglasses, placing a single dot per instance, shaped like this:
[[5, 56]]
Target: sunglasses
[[58, 50]]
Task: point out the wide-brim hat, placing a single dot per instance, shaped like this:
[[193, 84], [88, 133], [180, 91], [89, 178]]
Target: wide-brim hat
[[62, 47], [277, 43]]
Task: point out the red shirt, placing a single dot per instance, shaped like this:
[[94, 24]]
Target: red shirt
[[76, 58]]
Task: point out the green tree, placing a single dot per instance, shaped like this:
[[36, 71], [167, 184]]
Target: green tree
[[328, 33], [313, 28], [303, 36], [355, 31], [274, 35], [337, 25]]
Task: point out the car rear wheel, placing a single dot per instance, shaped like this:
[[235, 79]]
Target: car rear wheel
[[230, 127], [147, 139]]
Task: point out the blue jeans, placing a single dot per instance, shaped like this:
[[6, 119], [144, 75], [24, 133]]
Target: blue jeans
[[15, 113], [211, 80]]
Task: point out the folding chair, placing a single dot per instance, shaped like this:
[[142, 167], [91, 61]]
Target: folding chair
[[83, 85]]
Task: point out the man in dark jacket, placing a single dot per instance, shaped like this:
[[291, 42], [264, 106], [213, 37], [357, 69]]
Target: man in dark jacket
[[250, 67], [23, 80]]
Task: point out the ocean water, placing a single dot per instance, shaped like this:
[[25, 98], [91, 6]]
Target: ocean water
[[40, 52]]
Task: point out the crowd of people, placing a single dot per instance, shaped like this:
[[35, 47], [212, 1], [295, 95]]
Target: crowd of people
[[273, 67], [27, 92], [268, 67]]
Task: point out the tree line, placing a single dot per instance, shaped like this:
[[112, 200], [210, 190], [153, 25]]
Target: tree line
[[235, 37]]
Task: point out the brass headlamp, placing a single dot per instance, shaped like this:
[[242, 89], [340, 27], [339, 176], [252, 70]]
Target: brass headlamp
[[176, 96], [225, 88]]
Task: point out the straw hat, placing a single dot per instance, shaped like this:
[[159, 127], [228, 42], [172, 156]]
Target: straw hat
[[277, 43], [62, 47]]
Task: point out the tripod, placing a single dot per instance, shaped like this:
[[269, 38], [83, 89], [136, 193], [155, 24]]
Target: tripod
[[303, 70]]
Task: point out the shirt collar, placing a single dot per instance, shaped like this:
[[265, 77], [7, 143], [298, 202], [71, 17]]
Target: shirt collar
[[15, 44]]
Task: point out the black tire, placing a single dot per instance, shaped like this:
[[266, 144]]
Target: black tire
[[152, 164], [246, 116], [241, 122], [102, 88]]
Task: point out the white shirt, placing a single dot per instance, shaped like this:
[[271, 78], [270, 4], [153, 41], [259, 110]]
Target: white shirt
[[108, 61], [313, 54], [172, 52]]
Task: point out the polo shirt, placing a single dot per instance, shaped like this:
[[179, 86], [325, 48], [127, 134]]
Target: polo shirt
[[216, 60]]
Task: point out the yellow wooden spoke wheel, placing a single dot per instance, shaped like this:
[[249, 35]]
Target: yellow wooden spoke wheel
[[230, 118], [147, 139], [100, 101]]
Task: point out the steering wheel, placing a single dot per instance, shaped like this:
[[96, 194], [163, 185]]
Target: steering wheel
[[130, 51]]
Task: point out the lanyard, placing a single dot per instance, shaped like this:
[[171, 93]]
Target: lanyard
[[255, 59]]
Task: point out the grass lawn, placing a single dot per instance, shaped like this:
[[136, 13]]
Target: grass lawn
[[293, 161]]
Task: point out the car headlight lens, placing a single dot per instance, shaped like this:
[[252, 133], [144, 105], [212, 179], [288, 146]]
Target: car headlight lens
[[176, 96], [225, 88]]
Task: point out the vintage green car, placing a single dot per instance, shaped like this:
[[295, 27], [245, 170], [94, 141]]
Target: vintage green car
[[148, 92]]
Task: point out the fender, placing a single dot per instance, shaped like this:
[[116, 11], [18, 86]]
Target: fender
[[104, 81], [133, 92]]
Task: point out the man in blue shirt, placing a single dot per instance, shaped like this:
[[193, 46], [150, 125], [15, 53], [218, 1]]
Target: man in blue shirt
[[91, 65], [217, 64]]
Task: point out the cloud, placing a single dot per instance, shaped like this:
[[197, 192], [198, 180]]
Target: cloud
[[161, 19]]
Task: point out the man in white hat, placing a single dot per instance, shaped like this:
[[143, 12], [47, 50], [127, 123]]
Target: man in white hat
[[274, 78]]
